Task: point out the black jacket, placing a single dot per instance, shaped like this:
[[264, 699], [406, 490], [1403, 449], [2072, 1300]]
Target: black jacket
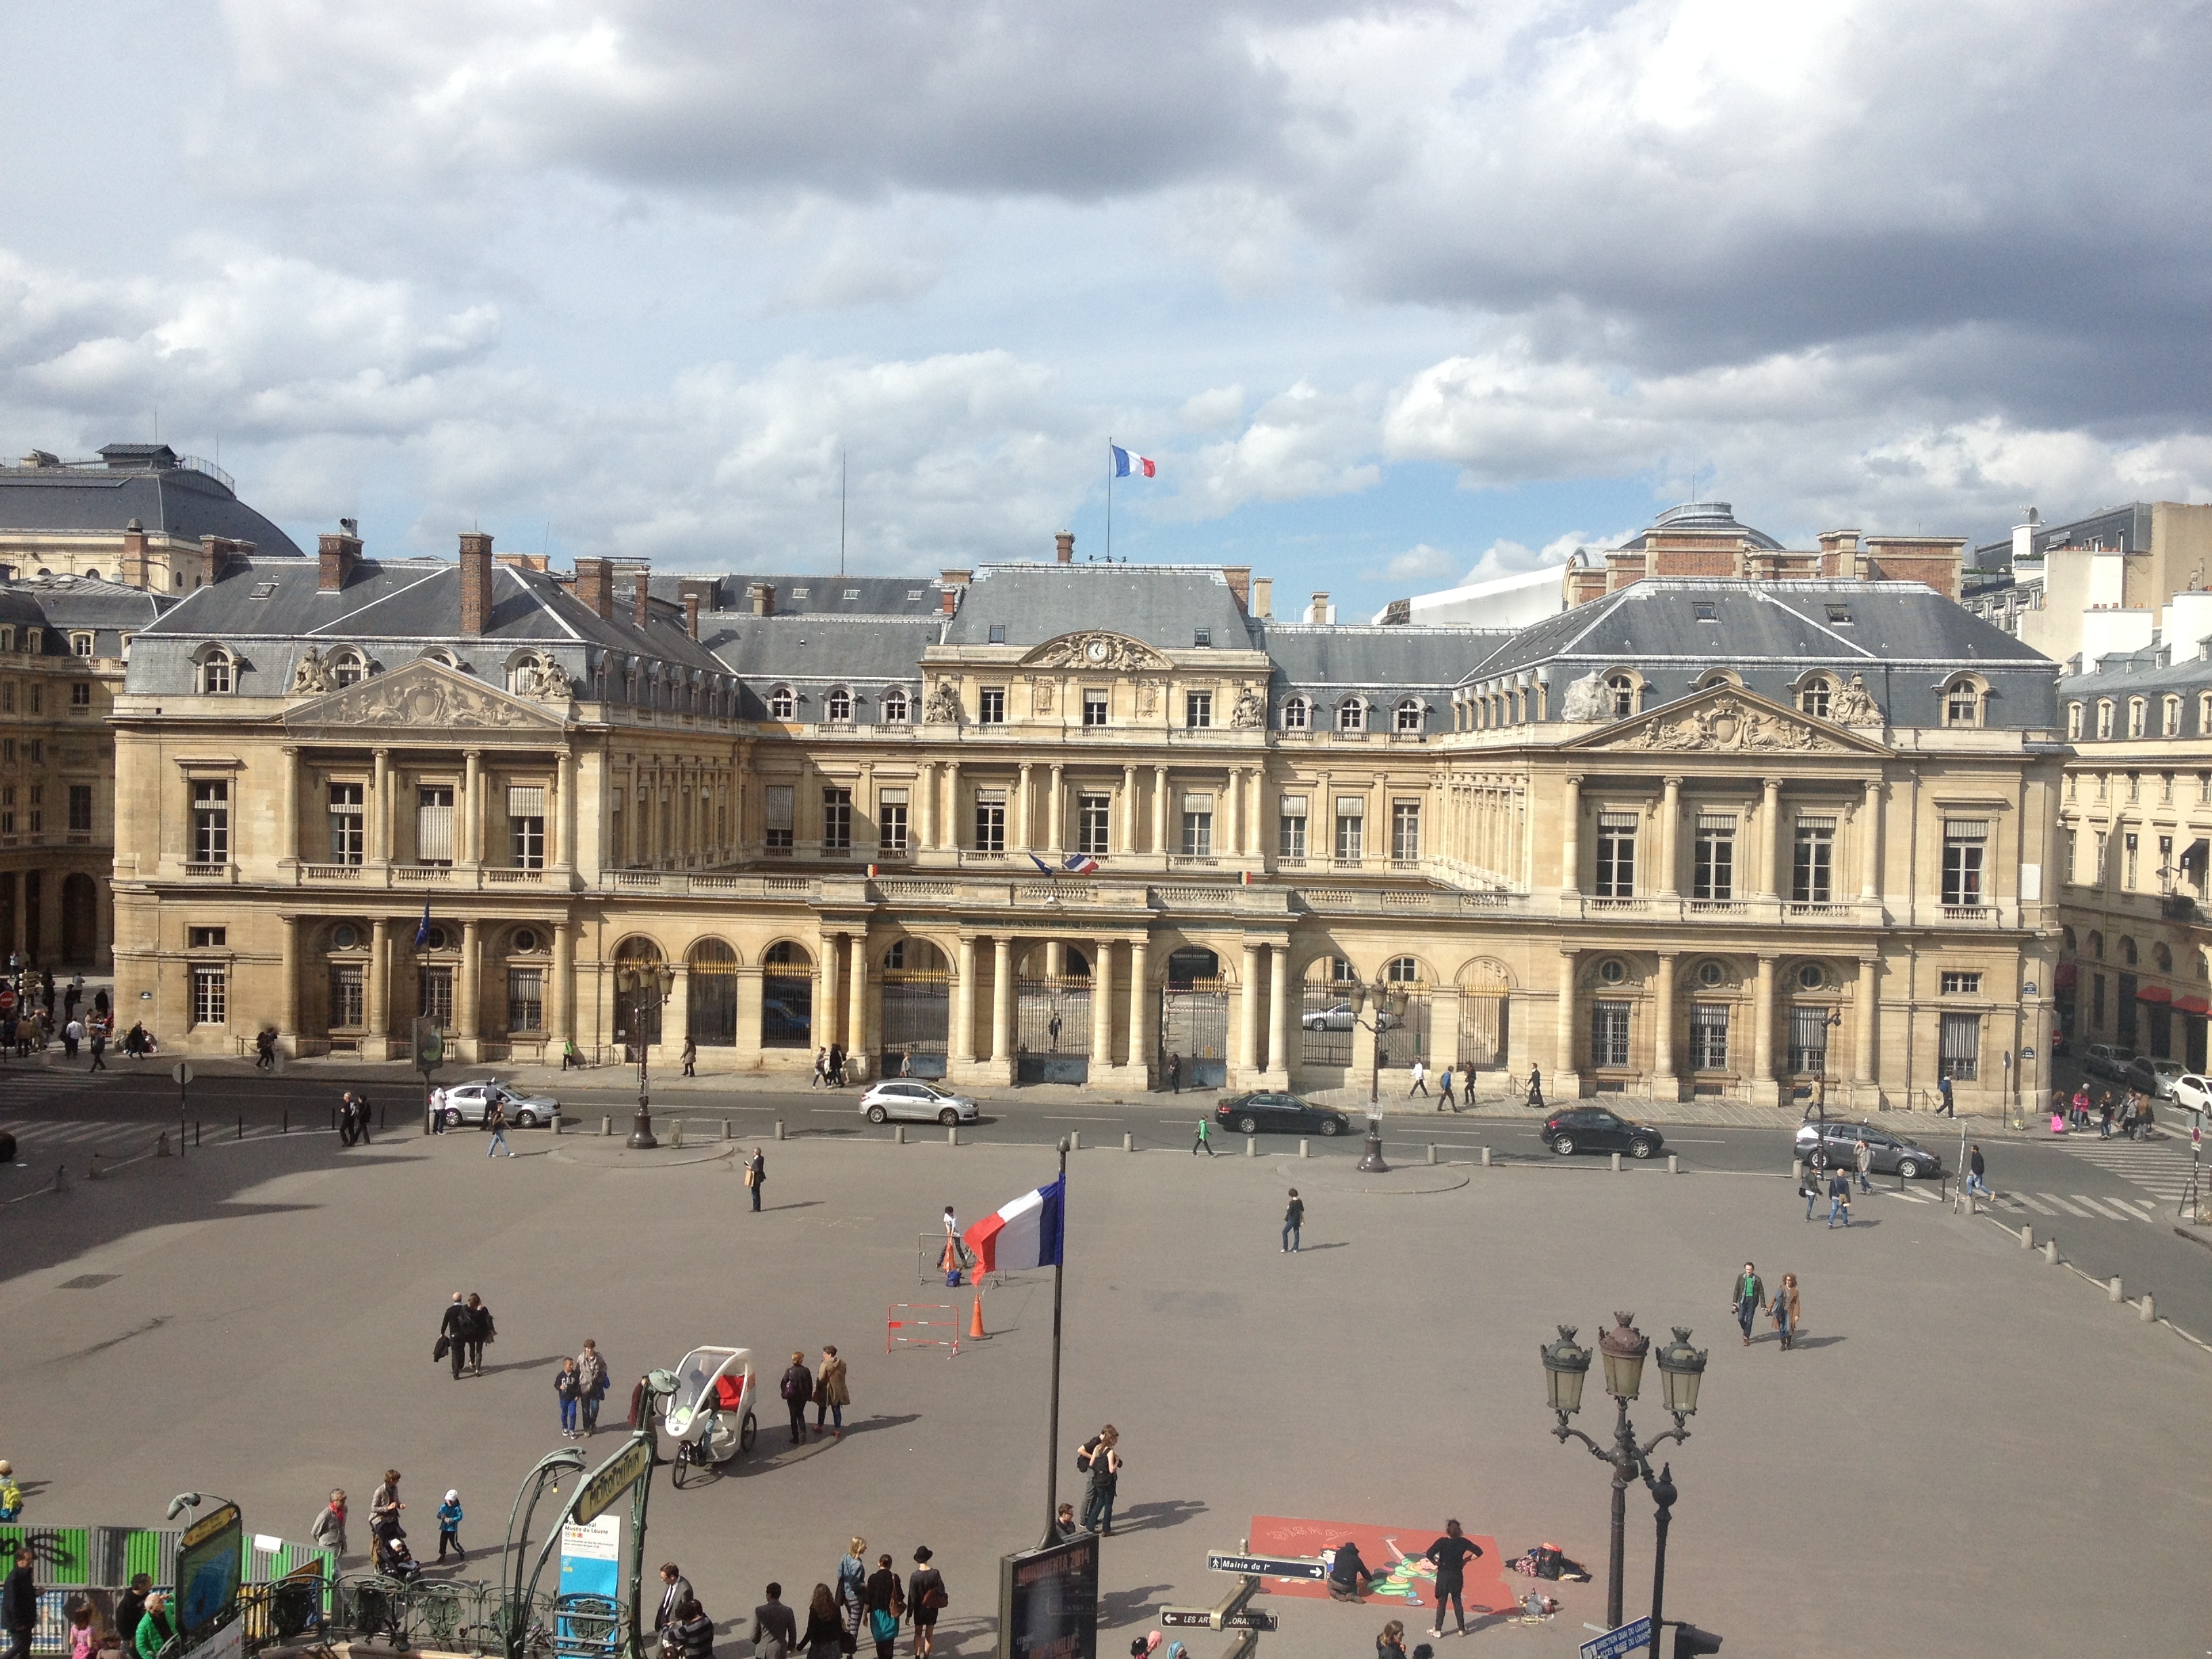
[[697, 1636], [19, 1600], [881, 1589], [797, 1385], [129, 1609], [458, 1323]]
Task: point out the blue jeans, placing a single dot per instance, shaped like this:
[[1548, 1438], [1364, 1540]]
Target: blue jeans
[[1291, 1230], [1976, 1184], [1836, 1207], [568, 1416], [498, 1145]]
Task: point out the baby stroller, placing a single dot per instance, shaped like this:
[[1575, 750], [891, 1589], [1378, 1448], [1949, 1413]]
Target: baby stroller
[[709, 1413]]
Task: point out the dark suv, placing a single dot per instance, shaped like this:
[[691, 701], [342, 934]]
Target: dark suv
[[1594, 1129], [1887, 1154]]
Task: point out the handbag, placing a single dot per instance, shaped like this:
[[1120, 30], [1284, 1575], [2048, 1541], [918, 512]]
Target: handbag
[[935, 1598], [445, 1347], [882, 1625]]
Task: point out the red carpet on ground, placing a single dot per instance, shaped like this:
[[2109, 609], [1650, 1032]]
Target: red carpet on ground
[[1381, 1547]]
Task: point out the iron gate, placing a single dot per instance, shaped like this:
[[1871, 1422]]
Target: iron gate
[[1327, 1018], [917, 1019], [787, 1007], [1053, 1030], [1484, 1028], [1194, 1024], [1407, 1034]]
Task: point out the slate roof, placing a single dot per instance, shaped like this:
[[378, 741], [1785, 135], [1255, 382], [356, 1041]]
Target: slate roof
[[66, 604], [2124, 674], [1163, 605], [809, 595], [1705, 518], [812, 654], [164, 497], [1313, 659]]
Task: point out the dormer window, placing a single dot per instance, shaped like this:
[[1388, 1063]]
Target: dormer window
[[1706, 610], [80, 645], [2134, 717], [346, 668], [894, 706], [1621, 688], [2104, 717], [1351, 716], [1812, 697], [215, 673], [1298, 714], [1411, 716], [839, 707], [1202, 638], [1962, 703], [782, 703], [998, 633]]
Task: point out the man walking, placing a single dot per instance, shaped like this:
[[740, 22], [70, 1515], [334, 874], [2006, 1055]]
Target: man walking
[[72, 1035], [1444, 1089], [1536, 1088], [1747, 1296], [1205, 1141], [455, 1330], [481, 1331], [1174, 1074], [1975, 1182], [1943, 1105], [496, 1121], [362, 1119], [1862, 1156], [675, 1590], [346, 1119], [757, 1177], [329, 1532], [1839, 1198], [775, 1632], [798, 1392], [1450, 1553], [98, 1048], [1815, 1167], [1420, 1074], [1294, 1219], [18, 1604]]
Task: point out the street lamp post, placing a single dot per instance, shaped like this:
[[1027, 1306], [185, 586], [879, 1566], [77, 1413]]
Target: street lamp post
[[647, 986], [1389, 1010], [1681, 1368]]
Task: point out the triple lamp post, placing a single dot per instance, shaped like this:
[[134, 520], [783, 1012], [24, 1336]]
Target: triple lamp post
[[646, 985], [1389, 1012]]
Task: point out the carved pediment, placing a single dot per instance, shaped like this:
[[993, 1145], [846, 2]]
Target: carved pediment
[[1727, 721], [1116, 652], [425, 695]]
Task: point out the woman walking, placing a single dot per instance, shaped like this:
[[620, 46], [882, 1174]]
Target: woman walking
[[568, 1386], [824, 1634], [1788, 1310], [885, 1606], [925, 1597], [852, 1585], [831, 1396], [592, 1371]]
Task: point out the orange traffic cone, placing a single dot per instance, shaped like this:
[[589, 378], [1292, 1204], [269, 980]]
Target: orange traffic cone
[[975, 1317]]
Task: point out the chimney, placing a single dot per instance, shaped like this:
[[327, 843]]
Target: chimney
[[642, 599], [954, 580], [1063, 547], [1318, 611], [1263, 597], [1240, 584], [340, 554], [691, 612], [595, 585], [216, 553], [133, 574], [763, 599], [476, 583]]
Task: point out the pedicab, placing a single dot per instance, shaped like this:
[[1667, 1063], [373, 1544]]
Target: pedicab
[[709, 1412]]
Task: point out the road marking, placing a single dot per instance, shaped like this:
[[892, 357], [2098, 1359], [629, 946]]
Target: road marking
[[2030, 1200], [1049, 1118], [1912, 1197], [2115, 1213], [2064, 1207]]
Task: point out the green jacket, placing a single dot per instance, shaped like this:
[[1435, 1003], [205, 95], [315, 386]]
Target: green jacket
[[1748, 1288], [155, 1633]]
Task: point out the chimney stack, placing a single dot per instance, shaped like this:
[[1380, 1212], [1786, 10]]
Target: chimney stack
[[340, 554], [1063, 547], [1319, 609], [1240, 584], [476, 583], [763, 599], [1263, 597], [595, 587], [133, 574], [954, 580], [216, 553], [642, 599], [691, 612]]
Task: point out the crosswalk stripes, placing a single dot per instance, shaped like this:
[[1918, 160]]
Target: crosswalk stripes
[[2162, 1167], [2080, 1205], [76, 1131]]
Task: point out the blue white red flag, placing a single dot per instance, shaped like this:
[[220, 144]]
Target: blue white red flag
[[1126, 466], [1076, 864], [1026, 1233]]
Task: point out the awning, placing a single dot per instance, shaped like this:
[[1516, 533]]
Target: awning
[[2196, 1006], [2068, 973], [2197, 852], [2153, 994]]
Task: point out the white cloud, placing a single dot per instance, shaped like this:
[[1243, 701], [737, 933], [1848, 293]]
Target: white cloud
[[1418, 564], [1300, 444]]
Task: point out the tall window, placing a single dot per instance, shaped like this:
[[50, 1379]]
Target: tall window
[[839, 707], [1622, 689], [349, 824], [1961, 1053], [1411, 716], [215, 674], [1610, 1035], [80, 694], [1962, 704], [211, 822], [1198, 826], [1616, 855], [1813, 698], [434, 987], [893, 707], [2074, 722], [782, 703], [1351, 827], [890, 820], [1093, 824], [1405, 830], [1709, 1030], [80, 808], [2127, 868], [1351, 716], [434, 824], [2170, 718], [348, 1004], [1964, 842], [526, 825], [1094, 705], [990, 820], [991, 706], [1290, 827], [2098, 875], [1298, 714], [837, 820], [210, 995], [1712, 873], [1808, 1041], [2104, 717], [776, 814], [2134, 717], [1813, 861], [526, 998]]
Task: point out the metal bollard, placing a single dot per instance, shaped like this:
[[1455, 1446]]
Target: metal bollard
[[2147, 1310], [899, 1134], [1432, 1151], [1128, 1143], [2050, 1253], [606, 1126], [1251, 1146], [1306, 1149], [676, 1138], [1797, 1170], [729, 1129], [1616, 1164], [196, 1131], [2112, 1292], [779, 1128], [556, 1123], [953, 1134], [162, 1145], [1485, 1157], [1075, 1141], [1673, 1163], [2027, 1235], [241, 1127]]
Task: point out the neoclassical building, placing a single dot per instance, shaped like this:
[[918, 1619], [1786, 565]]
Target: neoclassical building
[[1064, 820]]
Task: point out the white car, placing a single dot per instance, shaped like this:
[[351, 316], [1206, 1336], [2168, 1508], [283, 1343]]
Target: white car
[[470, 1103], [916, 1102], [2193, 1091], [1338, 1018]]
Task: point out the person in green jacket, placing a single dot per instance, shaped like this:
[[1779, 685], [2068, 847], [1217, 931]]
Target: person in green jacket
[[157, 1629]]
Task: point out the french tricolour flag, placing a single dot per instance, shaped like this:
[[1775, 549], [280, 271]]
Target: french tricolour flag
[[1026, 1233], [1127, 465]]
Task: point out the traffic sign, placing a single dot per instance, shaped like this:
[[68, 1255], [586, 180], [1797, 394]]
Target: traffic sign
[[1202, 1618], [1269, 1566], [7, 1000], [1614, 1643], [181, 1074], [615, 1477]]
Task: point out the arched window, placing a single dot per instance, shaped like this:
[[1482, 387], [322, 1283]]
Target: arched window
[[2097, 945], [839, 706], [522, 675], [2104, 717], [1402, 970], [894, 706], [2161, 958], [782, 703], [215, 677], [1962, 703], [1411, 715], [2134, 717], [1720, 676], [346, 667], [2170, 719], [1622, 689], [1298, 714], [1351, 716], [1812, 697], [2074, 722], [2127, 950]]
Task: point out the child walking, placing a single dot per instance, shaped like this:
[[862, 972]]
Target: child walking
[[449, 1527]]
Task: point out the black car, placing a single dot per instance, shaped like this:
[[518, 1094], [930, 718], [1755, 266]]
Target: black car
[[1265, 1111], [1887, 1153], [1594, 1129]]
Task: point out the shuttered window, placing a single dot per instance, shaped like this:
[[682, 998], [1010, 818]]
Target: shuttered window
[[1961, 1055], [433, 827], [1808, 1041], [524, 800]]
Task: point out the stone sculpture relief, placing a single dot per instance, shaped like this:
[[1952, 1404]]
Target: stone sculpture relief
[[1587, 699], [944, 704], [1250, 710], [1853, 705], [310, 673], [1729, 727], [1098, 650]]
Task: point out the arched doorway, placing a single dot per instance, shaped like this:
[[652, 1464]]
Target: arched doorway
[[1484, 1017], [1326, 1012], [787, 997], [1053, 1019], [635, 953], [1406, 1036], [917, 1010], [1195, 1018], [713, 1014], [79, 919]]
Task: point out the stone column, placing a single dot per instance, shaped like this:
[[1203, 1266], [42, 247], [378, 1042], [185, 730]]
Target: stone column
[[961, 1041], [1670, 829], [380, 818], [560, 994], [1662, 1062], [949, 826], [470, 850], [1870, 842], [288, 989], [378, 1016], [1002, 999], [564, 809], [468, 996], [1160, 809], [924, 801], [287, 839], [1056, 815], [1571, 837], [1247, 1015], [1233, 840], [1055, 959], [826, 1009], [1126, 839], [1563, 1051], [1770, 838], [1762, 1036], [857, 1035], [1279, 1014], [1863, 1016], [1019, 840], [1102, 1006], [1140, 1032]]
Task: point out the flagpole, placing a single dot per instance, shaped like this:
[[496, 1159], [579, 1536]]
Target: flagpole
[[1052, 1434], [1110, 499]]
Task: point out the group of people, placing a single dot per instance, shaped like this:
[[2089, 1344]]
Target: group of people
[[354, 1118], [825, 1390], [1350, 1577], [829, 1067], [2135, 1114], [143, 1622], [1098, 1460], [581, 1385], [1748, 1298], [462, 1333], [854, 1604], [1836, 1184], [1420, 1074]]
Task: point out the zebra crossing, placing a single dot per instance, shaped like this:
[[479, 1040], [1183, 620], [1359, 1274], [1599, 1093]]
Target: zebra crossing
[[44, 1133], [2161, 1168]]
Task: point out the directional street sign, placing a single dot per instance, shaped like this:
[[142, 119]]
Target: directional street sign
[[615, 1476], [1202, 1618], [1632, 1637], [1269, 1566]]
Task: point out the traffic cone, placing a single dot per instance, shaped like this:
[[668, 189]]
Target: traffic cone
[[975, 1317]]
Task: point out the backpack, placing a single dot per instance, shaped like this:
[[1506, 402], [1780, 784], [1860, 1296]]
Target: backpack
[[1083, 1454]]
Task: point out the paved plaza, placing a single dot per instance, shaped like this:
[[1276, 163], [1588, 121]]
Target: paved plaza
[[1972, 1453]]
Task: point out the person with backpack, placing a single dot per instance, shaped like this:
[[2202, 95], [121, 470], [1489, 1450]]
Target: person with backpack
[[885, 1604], [798, 1392], [925, 1597], [1103, 1465], [1747, 1296], [11, 1492]]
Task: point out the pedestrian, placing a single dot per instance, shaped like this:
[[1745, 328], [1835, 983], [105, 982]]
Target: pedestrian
[[72, 1035], [19, 1604], [691, 1056], [1975, 1172], [1294, 1219], [156, 1629], [1746, 1298], [775, 1632], [836, 1064], [98, 1048], [264, 1049], [454, 1332], [1203, 1142], [570, 1060], [592, 1370], [1420, 1074], [1944, 1104], [1788, 1312], [496, 1121], [821, 1068], [437, 1111], [1839, 1198], [84, 1641], [1450, 1553], [1174, 1074], [1391, 1643], [853, 1584], [1536, 1088], [675, 1591], [824, 1634], [2082, 1106], [2145, 1118], [568, 1388], [1815, 1167], [328, 1532], [363, 1118], [798, 1390], [449, 1526], [1444, 1089], [383, 1508], [757, 1177], [1816, 1099], [345, 1119], [11, 1492], [1105, 1472], [693, 1630], [1064, 1524], [925, 1597], [2105, 1117], [481, 1331], [831, 1396], [886, 1605], [129, 1609], [1862, 1156]]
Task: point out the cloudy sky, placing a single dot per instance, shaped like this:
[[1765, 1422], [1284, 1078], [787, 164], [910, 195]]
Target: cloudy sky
[[1390, 293]]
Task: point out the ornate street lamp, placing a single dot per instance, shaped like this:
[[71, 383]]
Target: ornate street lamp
[[646, 985], [1389, 1010], [1566, 1365]]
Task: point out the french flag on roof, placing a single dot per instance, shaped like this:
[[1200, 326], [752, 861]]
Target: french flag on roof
[[1126, 466], [1026, 1233]]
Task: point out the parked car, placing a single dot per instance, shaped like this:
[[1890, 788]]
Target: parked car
[[470, 1103], [1888, 1154], [2107, 1059], [2155, 1077], [916, 1102], [1265, 1111], [1595, 1129], [1338, 1019], [2193, 1091]]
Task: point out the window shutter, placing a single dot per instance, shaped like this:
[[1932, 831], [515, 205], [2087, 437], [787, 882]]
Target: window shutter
[[1723, 821], [1197, 803], [434, 832], [777, 805], [891, 796], [1294, 806], [1965, 828], [525, 801], [1352, 806], [1618, 820]]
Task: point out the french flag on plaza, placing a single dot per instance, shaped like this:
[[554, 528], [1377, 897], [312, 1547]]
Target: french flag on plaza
[[1026, 1233], [1126, 466]]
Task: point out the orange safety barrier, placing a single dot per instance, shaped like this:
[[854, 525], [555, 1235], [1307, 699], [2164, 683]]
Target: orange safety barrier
[[896, 1326]]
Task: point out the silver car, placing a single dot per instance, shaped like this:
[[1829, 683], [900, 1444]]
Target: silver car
[[470, 1103], [916, 1102]]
